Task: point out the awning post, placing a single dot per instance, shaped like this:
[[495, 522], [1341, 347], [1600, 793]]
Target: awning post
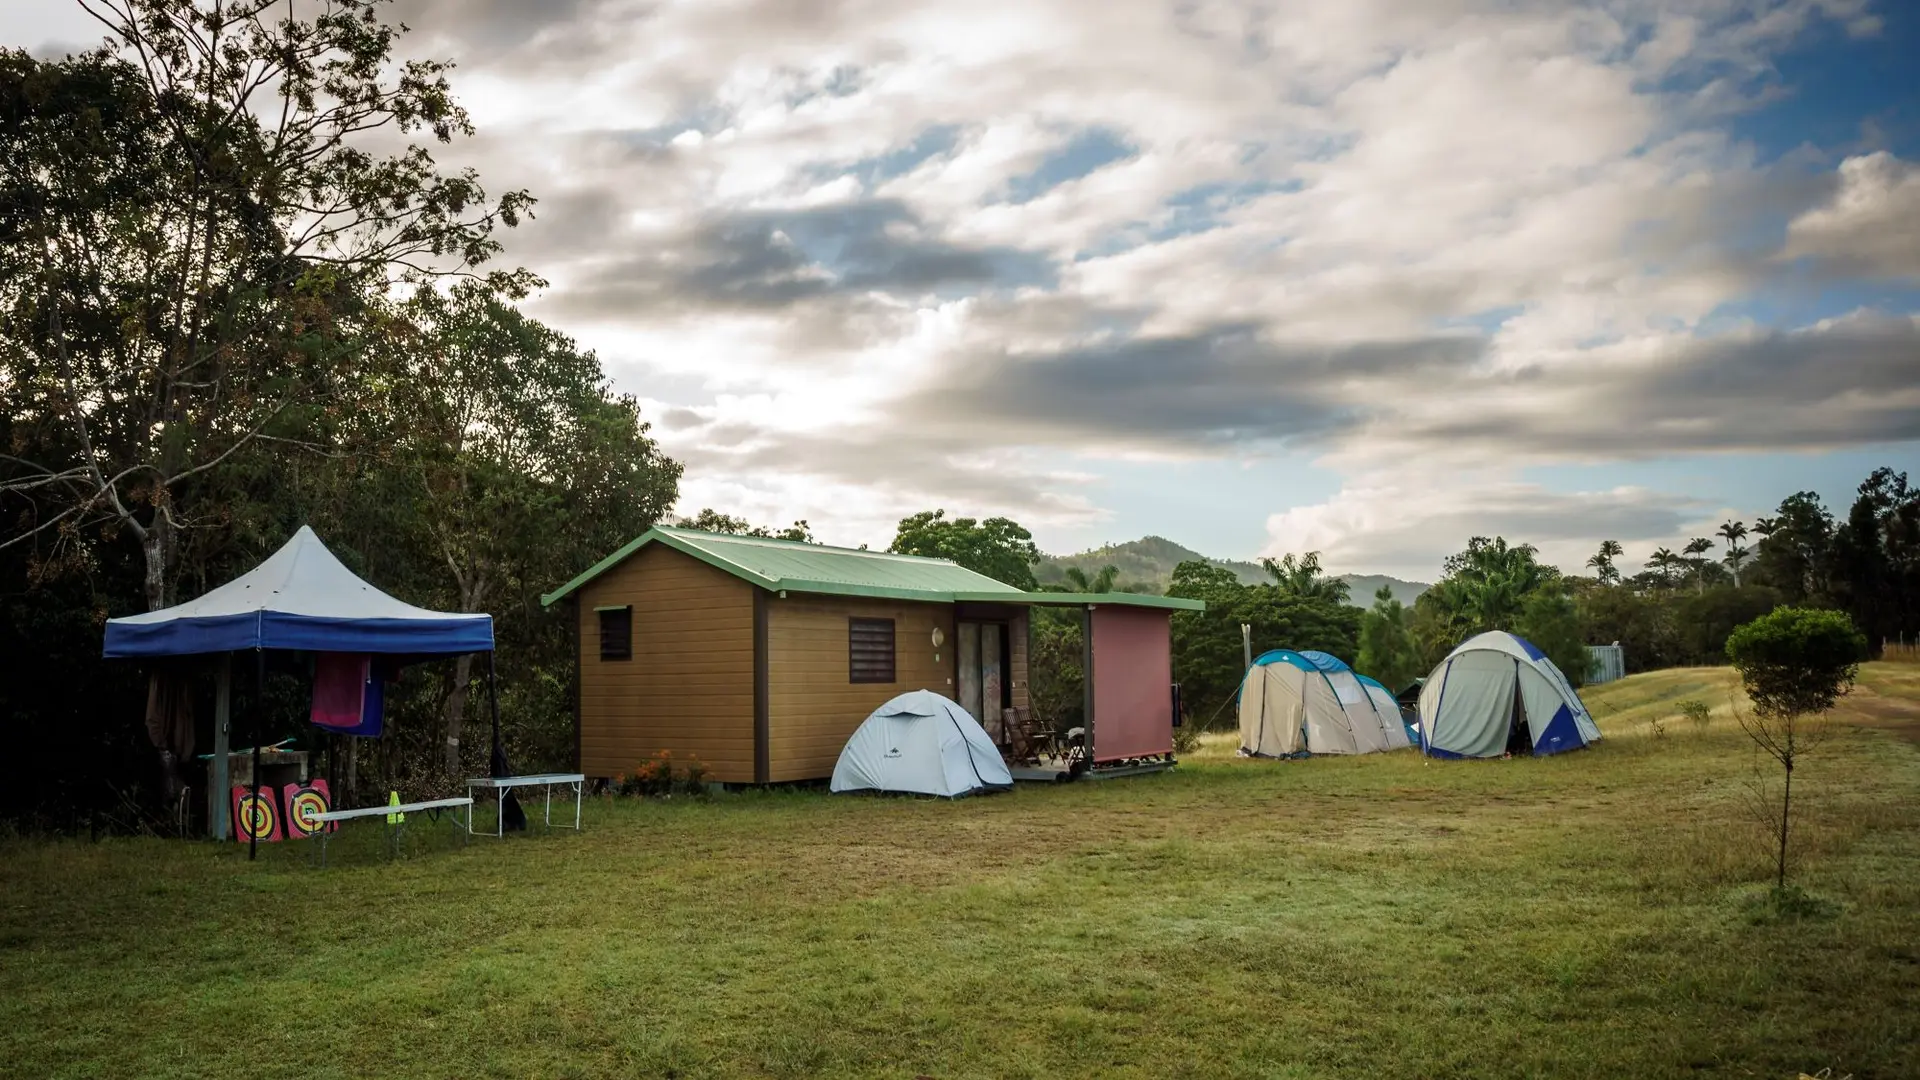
[[219, 820], [259, 732]]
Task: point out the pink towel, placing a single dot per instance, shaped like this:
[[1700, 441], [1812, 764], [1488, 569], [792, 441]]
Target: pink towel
[[339, 688]]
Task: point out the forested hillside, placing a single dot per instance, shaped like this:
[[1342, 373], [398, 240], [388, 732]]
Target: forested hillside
[[1147, 565]]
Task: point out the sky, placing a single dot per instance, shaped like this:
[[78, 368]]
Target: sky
[[1356, 276]]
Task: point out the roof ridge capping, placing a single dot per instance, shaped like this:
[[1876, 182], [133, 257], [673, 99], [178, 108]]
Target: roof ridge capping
[[741, 538]]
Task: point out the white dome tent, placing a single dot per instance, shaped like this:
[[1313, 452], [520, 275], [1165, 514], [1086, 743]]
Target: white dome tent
[[1399, 732], [1294, 703], [1498, 693], [921, 743]]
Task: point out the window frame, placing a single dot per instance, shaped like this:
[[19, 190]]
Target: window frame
[[626, 640], [855, 676]]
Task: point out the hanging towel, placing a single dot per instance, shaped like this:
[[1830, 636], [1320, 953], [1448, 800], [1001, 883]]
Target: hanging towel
[[348, 697]]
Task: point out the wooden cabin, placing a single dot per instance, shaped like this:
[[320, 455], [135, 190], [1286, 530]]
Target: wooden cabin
[[760, 657]]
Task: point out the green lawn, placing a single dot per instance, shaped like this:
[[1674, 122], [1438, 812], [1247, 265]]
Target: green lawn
[[1585, 915]]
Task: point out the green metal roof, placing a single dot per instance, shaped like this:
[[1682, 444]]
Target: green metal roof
[[1114, 599], [815, 568]]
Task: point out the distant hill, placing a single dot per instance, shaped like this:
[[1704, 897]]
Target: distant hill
[[1146, 565]]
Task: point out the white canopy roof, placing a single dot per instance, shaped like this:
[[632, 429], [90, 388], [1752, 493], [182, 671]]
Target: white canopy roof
[[301, 597]]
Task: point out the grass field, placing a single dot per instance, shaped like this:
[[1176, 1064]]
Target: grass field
[[1592, 914]]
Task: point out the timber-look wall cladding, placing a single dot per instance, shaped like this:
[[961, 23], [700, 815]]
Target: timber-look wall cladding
[[688, 687]]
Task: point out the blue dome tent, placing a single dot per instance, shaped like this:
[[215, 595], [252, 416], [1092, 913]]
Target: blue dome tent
[[1496, 694]]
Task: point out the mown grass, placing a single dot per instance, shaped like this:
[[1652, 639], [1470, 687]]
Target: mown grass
[[1586, 915]]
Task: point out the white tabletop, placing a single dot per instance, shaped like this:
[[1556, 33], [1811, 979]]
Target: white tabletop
[[526, 781]]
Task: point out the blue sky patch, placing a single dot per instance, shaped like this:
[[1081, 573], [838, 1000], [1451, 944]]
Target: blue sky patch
[[1086, 153]]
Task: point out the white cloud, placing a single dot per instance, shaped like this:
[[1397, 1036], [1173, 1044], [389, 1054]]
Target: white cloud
[[1871, 224], [1404, 524]]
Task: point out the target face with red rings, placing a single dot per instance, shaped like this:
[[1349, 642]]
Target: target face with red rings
[[303, 801], [255, 817]]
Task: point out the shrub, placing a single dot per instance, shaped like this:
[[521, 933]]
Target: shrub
[[658, 777], [1696, 712], [1186, 738], [695, 778], [1794, 663]]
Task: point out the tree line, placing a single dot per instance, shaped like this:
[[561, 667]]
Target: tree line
[[224, 313]]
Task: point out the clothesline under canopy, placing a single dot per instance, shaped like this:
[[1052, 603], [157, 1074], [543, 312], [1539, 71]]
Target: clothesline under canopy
[[303, 598]]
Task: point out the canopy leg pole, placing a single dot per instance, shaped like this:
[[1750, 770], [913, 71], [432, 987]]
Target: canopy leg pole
[[219, 824], [259, 732], [496, 762]]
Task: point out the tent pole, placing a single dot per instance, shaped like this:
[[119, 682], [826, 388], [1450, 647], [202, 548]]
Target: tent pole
[[495, 760], [259, 732], [219, 825]]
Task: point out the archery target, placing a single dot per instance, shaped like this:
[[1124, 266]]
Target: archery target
[[304, 800], [255, 817]]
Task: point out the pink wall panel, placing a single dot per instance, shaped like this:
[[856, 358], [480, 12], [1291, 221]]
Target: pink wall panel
[[1132, 683]]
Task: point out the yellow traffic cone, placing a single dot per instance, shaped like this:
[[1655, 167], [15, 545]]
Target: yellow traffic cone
[[393, 799]]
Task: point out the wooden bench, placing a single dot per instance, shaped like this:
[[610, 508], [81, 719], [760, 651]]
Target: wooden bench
[[501, 784], [430, 807]]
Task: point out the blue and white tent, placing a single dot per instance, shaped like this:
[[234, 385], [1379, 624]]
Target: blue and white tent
[[301, 597], [1498, 692], [1294, 703]]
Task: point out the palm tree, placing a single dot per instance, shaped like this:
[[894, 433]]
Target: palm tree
[[1602, 561], [1695, 548], [1736, 558], [1663, 563], [1301, 577], [1102, 582], [1733, 532]]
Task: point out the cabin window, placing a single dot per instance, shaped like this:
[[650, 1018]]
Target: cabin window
[[869, 650], [616, 633]]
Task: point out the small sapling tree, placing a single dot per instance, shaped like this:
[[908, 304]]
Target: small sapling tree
[[1795, 663]]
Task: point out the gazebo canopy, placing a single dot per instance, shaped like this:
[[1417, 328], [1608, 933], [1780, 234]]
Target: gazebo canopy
[[301, 597]]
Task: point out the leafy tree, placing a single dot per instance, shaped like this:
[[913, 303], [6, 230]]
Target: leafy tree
[[1876, 557], [1057, 681], [1795, 663], [525, 462], [1703, 622], [1208, 662], [1733, 532], [1602, 562], [1486, 586], [1302, 578], [996, 547], [191, 272], [1549, 619], [1387, 648], [1795, 550], [711, 520]]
